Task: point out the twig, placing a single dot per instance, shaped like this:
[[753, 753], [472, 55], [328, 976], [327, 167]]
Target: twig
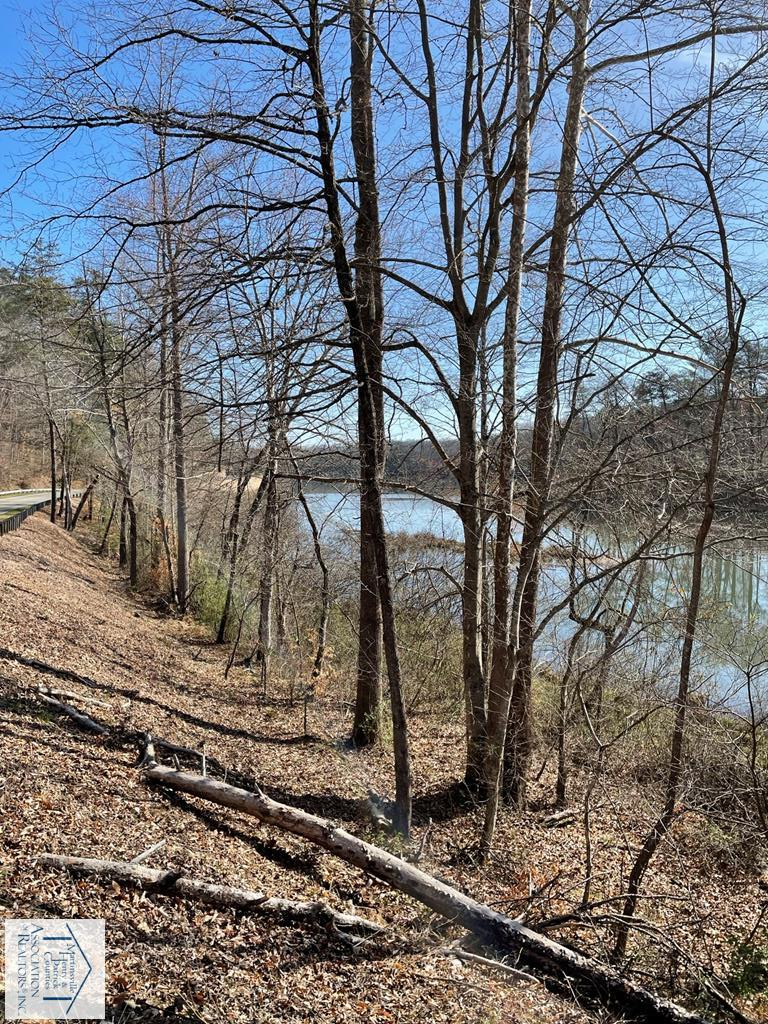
[[148, 853], [484, 961]]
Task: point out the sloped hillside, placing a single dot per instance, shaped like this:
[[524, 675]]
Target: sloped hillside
[[67, 792]]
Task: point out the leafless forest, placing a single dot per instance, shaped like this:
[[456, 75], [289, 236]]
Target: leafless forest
[[415, 355]]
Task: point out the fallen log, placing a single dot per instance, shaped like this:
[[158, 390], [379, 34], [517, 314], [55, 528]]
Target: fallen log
[[148, 754], [560, 819], [175, 748], [70, 695], [83, 720], [597, 981], [175, 883], [458, 953]]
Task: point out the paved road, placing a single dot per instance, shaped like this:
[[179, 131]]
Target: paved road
[[10, 503]]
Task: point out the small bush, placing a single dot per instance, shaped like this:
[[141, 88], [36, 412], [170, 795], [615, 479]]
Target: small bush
[[748, 975], [208, 591]]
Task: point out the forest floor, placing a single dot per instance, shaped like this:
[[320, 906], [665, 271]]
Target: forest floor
[[62, 791]]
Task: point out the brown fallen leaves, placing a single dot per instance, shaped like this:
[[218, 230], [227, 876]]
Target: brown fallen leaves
[[64, 792]]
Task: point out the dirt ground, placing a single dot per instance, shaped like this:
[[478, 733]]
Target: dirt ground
[[62, 791]]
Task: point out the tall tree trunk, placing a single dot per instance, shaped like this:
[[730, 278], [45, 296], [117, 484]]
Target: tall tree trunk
[[133, 541], [123, 548], [500, 685], [51, 422], [160, 537], [67, 502], [220, 443], [472, 582], [325, 590], [267, 584], [122, 454], [87, 495], [52, 450], [563, 705], [370, 305], [472, 629], [368, 697], [170, 248], [232, 549], [179, 460], [281, 610], [65, 497], [520, 729], [358, 333], [110, 519]]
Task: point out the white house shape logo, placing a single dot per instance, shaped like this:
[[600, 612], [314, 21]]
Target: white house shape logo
[[54, 969]]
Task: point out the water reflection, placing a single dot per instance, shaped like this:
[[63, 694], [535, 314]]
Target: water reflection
[[732, 638]]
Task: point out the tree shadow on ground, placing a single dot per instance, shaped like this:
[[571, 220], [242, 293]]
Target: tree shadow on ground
[[142, 698], [451, 801], [37, 740], [445, 804], [304, 864]]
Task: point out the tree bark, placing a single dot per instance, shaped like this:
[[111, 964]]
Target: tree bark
[[123, 543], [500, 684], [133, 541], [175, 883], [79, 717], [179, 456], [86, 495], [503, 932], [325, 589], [52, 447], [366, 726], [231, 545], [520, 730], [160, 539], [358, 332], [267, 582], [471, 617], [170, 249], [110, 518], [370, 308]]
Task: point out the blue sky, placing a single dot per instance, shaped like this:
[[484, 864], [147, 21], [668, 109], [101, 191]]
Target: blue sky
[[13, 16], [80, 169], [51, 188], [15, 19]]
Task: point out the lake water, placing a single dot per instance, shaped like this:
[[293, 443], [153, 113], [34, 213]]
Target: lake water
[[733, 627], [403, 513]]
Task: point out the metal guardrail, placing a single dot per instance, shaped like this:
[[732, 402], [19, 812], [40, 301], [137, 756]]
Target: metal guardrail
[[14, 522]]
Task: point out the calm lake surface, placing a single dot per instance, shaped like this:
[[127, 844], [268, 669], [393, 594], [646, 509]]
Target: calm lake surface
[[403, 513], [731, 655]]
